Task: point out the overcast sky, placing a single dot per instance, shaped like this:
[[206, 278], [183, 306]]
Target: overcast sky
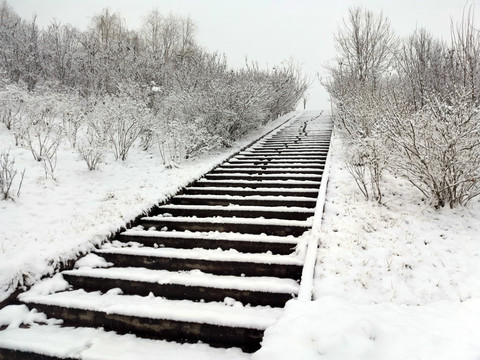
[[267, 31]]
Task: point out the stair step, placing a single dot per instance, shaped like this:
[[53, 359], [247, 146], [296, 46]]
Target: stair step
[[275, 212], [180, 320], [283, 153], [294, 143], [261, 171], [258, 183], [210, 261], [74, 343], [250, 243], [277, 162], [283, 201], [191, 285], [224, 224], [285, 149], [192, 190], [311, 177], [251, 156], [268, 165]]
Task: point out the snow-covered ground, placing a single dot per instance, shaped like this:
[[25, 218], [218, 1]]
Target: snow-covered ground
[[393, 281], [55, 221]]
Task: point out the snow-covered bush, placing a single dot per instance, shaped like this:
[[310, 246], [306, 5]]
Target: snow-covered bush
[[122, 118], [358, 121], [8, 174], [40, 131], [72, 112], [411, 109], [438, 148], [92, 143], [12, 105]]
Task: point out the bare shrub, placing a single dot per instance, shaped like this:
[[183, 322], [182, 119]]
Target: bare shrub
[[8, 174], [40, 132], [72, 114], [439, 147], [12, 105], [92, 145], [123, 118]]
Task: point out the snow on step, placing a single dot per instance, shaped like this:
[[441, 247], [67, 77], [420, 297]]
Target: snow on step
[[259, 198], [252, 190], [89, 343], [239, 207], [192, 278], [266, 170], [279, 156], [279, 165], [247, 183], [204, 254], [227, 220], [286, 176], [213, 235], [213, 313], [234, 207]]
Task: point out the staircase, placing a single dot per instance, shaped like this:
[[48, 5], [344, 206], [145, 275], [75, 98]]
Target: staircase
[[215, 264]]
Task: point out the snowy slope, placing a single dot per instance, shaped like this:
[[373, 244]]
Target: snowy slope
[[392, 281], [52, 222]]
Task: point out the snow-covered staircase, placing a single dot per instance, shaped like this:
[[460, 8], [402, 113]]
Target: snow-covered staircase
[[215, 264]]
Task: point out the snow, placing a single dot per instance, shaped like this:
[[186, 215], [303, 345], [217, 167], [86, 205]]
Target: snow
[[214, 313], [97, 344], [392, 281], [247, 183], [252, 190], [91, 261], [204, 254], [56, 221], [306, 289], [260, 198], [228, 220], [50, 285], [213, 235], [267, 170], [336, 329], [14, 315], [283, 209], [246, 175], [194, 278]]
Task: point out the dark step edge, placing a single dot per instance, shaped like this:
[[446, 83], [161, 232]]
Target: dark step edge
[[10, 354]]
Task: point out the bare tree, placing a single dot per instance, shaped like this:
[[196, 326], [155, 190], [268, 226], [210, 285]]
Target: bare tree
[[465, 65], [364, 45]]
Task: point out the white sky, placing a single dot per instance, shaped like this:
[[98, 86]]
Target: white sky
[[268, 31]]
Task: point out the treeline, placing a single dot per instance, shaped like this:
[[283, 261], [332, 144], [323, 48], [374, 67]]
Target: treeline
[[108, 86], [409, 105]]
